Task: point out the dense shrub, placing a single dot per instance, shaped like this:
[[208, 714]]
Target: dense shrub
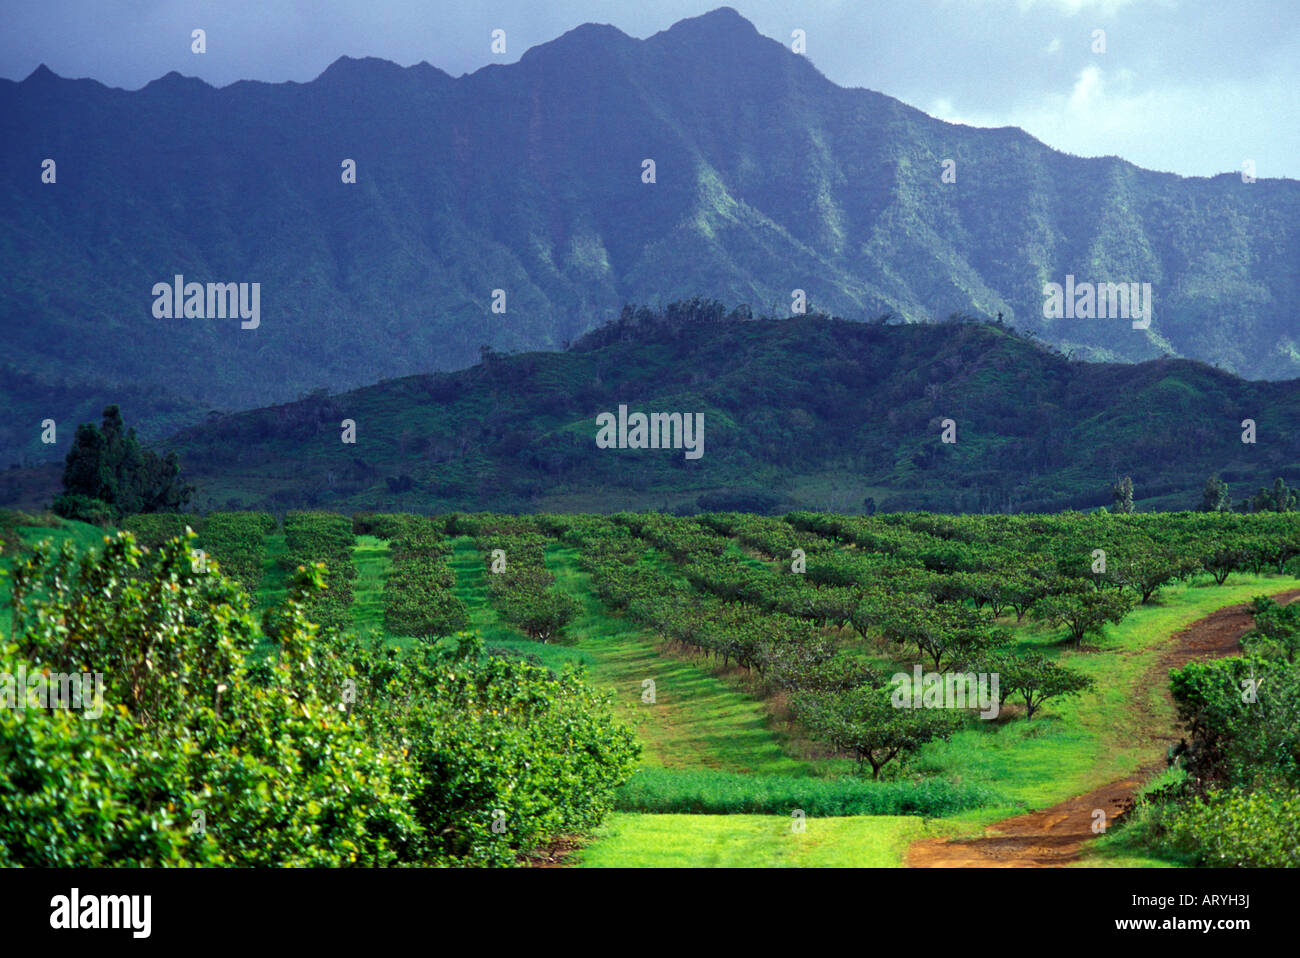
[[1243, 720], [1258, 828], [508, 754], [71, 505], [328, 753], [152, 529], [278, 772], [237, 540]]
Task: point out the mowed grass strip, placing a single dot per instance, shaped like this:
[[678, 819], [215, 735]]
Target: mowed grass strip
[[629, 840], [370, 556], [698, 719], [274, 584], [373, 560], [471, 588]]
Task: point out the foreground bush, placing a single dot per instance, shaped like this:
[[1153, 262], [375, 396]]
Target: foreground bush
[[326, 753], [187, 736], [1242, 716], [507, 753], [1235, 828]]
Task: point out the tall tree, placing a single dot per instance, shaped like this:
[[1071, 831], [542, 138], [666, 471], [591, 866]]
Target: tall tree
[[108, 473], [1121, 495], [1215, 497], [1280, 498]]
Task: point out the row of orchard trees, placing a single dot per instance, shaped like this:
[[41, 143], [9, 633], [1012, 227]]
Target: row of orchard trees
[[851, 707], [418, 597], [235, 540], [520, 587], [225, 738], [769, 594]]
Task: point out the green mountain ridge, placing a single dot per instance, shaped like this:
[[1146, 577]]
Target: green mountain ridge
[[527, 178], [805, 412]]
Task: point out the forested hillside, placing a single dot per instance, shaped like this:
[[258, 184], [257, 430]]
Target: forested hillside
[[804, 412]]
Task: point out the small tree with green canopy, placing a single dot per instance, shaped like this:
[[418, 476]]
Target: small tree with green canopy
[[866, 723], [1083, 613], [1228, 554], [1036, 679], [1145, 567]]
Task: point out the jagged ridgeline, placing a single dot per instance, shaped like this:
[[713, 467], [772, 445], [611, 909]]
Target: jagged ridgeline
[[527, 178]]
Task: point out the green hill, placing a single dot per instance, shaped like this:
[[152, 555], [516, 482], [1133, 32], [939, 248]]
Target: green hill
[[803, 412]]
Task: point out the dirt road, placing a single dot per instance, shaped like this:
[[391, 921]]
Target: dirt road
[[1054, 837]]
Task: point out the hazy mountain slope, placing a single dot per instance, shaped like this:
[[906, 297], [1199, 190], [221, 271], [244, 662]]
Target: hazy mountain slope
[[527, 178]]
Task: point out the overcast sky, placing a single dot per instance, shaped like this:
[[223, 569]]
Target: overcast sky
[[1190, 86]]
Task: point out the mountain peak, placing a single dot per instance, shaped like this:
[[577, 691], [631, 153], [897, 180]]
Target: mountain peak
[[352, 67], [722, 23], [581, 40], [41, 74], [721, 15], [175, 80]]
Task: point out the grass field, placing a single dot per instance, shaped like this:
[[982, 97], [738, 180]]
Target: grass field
[[755, 841]]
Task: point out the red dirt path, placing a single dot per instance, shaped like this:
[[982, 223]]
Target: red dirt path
[[1054, 837]]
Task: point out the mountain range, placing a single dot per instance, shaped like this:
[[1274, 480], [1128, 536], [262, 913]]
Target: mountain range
[[530, 179]]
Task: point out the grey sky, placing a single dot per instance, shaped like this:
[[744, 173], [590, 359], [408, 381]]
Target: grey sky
[[1189, 86]]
